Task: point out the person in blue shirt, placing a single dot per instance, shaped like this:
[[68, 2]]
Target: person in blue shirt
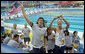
[[76, 43], [75, 37]]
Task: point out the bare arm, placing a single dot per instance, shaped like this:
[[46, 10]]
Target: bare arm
[[45, 44], [51, 23], [27, 19], [65, 22], [24, 45], [53, 28]]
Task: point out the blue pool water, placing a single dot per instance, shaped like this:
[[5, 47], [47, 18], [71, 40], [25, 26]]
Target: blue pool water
[[74, 16]]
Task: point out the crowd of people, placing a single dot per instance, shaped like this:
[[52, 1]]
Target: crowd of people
[[14, 39], [44, 40]]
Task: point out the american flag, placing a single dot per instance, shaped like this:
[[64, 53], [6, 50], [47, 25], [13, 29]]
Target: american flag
[[16, 8]]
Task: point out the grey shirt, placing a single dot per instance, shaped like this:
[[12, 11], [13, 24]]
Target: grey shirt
[[68, 40], [13, 43], [50, 41], [26, 30], [6, 40], [38, 35]]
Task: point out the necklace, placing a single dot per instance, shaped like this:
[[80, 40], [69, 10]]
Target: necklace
[[42, 36], [59, 31]]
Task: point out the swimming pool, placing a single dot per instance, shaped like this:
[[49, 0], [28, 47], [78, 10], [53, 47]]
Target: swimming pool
[[74, 16]]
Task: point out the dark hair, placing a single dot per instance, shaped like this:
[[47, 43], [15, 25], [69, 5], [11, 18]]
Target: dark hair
[[67, 32], [43, 21], [74, 32], [49, 28], [16, 35], [4, 36]]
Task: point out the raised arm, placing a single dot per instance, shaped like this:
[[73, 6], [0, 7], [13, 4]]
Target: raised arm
[[53, 28], [27, 19], [65, 21]]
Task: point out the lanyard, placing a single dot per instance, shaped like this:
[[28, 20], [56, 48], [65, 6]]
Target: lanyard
[[42, 37]]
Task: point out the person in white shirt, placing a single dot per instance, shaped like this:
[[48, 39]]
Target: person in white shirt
[[21, 38], [59, 43], [26, 32], [14, 30], [38, 33], [21, 41]]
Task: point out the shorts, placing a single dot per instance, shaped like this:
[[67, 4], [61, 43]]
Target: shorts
[[37, 50], [51, 51], [58, 49], [68, 48]]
